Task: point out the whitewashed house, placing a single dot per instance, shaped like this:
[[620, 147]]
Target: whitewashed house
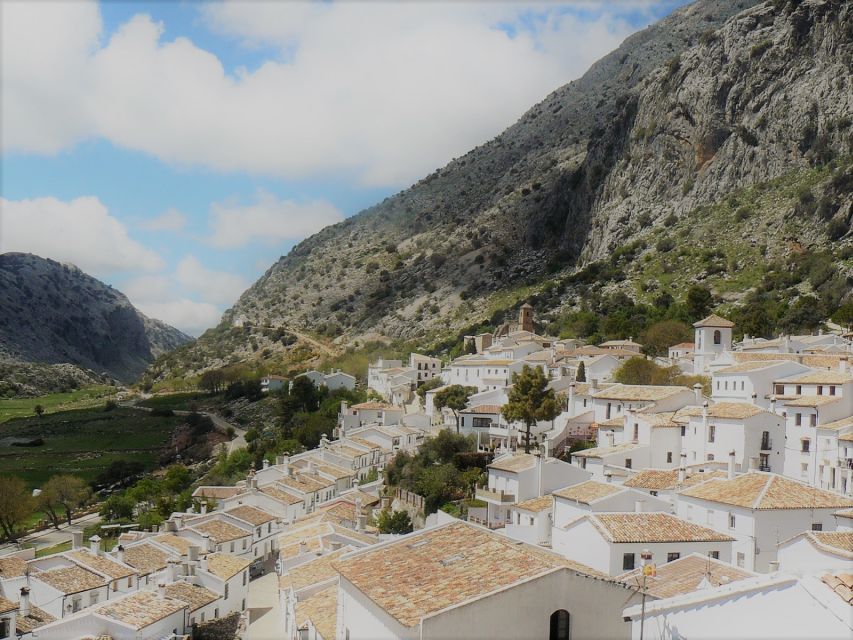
[[813, 552], [751, 382], [713, 337]]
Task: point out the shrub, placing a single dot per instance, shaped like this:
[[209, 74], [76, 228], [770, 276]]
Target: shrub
[[665, 245]]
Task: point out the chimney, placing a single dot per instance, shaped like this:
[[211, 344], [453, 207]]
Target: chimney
[[192, 553], [76, 540], [344, 407], [120, 553], [545, 448], [772, 404], [303, 546], [179, 523], [705, 411], [682, 474], [753, 463], [774, 566], [385, 502], [312, 468], [285, 465], [608, 476], [335, 545], [697, 393], [842, 364], [266, 464], [571, 399], [95, 545], [593, 385], [202, 563], [203, 508], [611, 438], [279, 460], [207, 545], [174, 569], [638, 505], [754, 397], [24, 603], [361, 522], [161, 589], [324, 441], [731, 464]]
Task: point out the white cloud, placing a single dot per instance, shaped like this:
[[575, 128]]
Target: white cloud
[[268, 219], [218, 287], [81, 231], [387, 91], [169, 220], [187, 315]]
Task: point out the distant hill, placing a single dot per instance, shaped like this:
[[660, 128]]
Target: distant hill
[[53, 313], [705, 148]]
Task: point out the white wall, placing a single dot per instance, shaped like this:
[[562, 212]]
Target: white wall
[[801, 556]]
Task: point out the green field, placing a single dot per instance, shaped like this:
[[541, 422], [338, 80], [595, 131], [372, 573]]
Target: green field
[[82, 442], [175, 401], [51, 403]]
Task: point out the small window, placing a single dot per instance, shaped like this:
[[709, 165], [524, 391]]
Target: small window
[[225, 595], [799, 389], [817, 526], [712, 433], [820, 389], [714, 554], [718, 337], [669, 456], [832, 391], [627, 463], [653, 493], [683, 430], [731, 521], [673, 556], [741, 559], [798, 419], [232, 547], [245, 573], [5, 626], [742, 385], [780, 389], [627, 561], [115, 586], [710, 457], [806, 445], [636, 432], [813, 419]]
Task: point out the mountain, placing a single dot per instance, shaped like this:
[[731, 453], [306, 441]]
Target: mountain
[[53, 313], [722, 131]]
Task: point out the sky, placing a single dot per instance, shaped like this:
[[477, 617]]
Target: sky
[[177, 149]]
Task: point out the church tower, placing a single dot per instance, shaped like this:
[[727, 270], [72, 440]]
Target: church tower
[[525, 318]]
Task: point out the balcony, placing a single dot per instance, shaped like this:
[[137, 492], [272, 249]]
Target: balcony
[[500, 497]]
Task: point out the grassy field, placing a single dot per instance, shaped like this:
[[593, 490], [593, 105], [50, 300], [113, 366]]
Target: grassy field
[[54, 402], [82, 442], [176, 401]]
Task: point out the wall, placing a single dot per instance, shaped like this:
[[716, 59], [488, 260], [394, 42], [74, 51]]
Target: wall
[[801, 556], [364, 620]]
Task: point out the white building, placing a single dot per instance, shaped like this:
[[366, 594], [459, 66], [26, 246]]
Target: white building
[[759, 510], [713, 337], [751, 381], [273, 383], [812, 552]]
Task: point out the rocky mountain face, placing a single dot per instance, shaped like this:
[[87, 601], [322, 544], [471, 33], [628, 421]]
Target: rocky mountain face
[[54, 313], [719, 97]]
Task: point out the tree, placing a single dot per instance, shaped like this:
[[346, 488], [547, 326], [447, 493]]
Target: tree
[[397, 522], [430, 384], [16, 505], [699, 300], [177, 478], [530, 400], [662, 335], [581, 374], [212, 381], [38, 410], [455, 397], [302, 395], [63, 493], [636, 371], [117, 507]]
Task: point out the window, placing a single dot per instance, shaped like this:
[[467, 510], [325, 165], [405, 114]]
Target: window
[[129, 582], [192, 621], [726, 385], [813, 419], [718, 385], [225, 595], [76, 604], [669, 456], [817, 526], [115, 586], [710, 457], [608, 412], [258, 532], [780, 389], [731, 521], [714, 554], [201, 617], [806, 444], [627, 561], [636, 432], [673, 556], [742, 385], [820, 389], [798, 419], [804, 469], [216, 612], [799, 389], [653, 493], [244, 544], [559, 625], [712, 433], [243, 604], [718, 337], [832, 390], [741, 559], [5, 626], [245, 574], [93, 597], [627, 463], [232, 547], [683, 430]]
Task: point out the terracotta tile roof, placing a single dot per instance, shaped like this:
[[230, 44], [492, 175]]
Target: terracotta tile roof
[[652, 527], [7, 605], [179, 544], [146, 558], [589, 491], [758, 490], [431, 570], [613, 422], [321, 609], [314, 571], [345, 451], [733, 410], [585, 388], [12, 567], [844, 513], [826, 361], [373, 406], [812, 401], [252, 515], [216, 492], [841, 584], [847, 437], [70, 579], [684, 345], [667, 479], [837, 542], [638, 392], [36, 618], [819, 377], [751, 365], [620, 343], [101, 564], [714, 320], [140, 609], [367, 499], [281, 496], [514, 462], [601, 452], [225, 565], [837, 425], [221, 531], [491, 409], [535, 504], [685, 575], [194, 595], [364, 443]]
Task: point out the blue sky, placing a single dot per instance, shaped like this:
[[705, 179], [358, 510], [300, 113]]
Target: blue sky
[[176, 150]]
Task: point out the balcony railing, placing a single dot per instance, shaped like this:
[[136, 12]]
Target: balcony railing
[[484, 493]]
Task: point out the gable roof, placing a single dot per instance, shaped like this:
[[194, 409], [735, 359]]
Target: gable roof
[[12, 567], [438, 568], [819, 377], [760, 490], [652, 527], [146, 558], [514, 462], [667, 479], [225, 565], [841, 584], [7, 605], [588, 492], [321, 609], [252, 515], [535, 505], [220, 531], [838, 543], [101, 564], [638, 392], [192, 594], [685, 575], [751, 365], [600, 452], [141, 609], [70, 579]]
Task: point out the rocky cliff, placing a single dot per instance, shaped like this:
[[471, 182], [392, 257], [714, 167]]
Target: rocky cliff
[[54, 313], [742, 103]]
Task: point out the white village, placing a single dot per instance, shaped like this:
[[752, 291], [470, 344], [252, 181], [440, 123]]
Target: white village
[[724, 511]]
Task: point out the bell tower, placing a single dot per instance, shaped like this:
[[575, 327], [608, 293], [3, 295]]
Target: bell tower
[[525, 318]]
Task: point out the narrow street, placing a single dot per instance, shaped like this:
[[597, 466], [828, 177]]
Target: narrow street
[[265, 617], [51, 537]]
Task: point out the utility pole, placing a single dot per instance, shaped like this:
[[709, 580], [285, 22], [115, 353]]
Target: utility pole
[[648, 569]]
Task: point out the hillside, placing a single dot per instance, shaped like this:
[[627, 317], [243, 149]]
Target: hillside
[[52, 313], [724, 128]]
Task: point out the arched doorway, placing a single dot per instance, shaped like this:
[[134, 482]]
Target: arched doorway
[[559, 625]]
